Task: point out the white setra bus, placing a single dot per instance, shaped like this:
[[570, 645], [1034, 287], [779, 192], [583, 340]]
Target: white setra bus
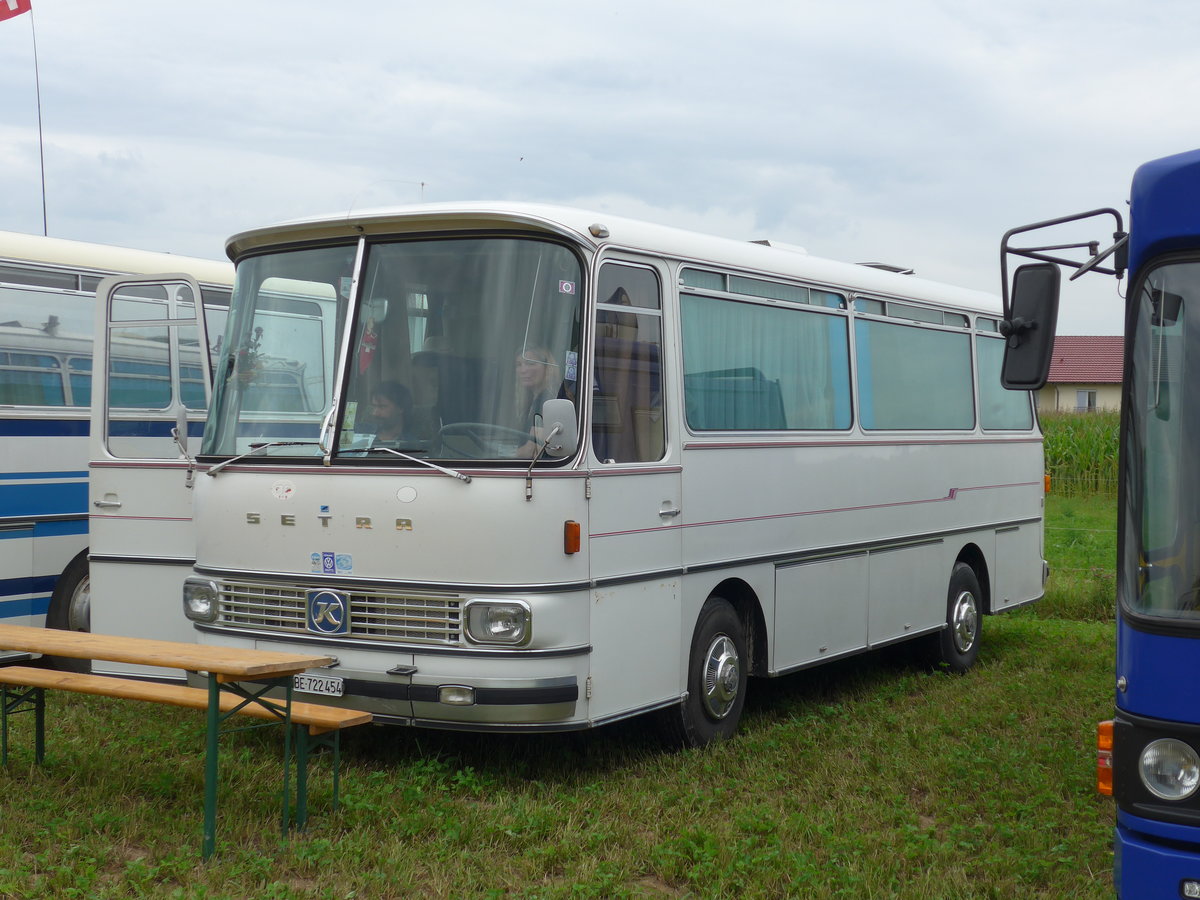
[[567, 468], [47, 300]]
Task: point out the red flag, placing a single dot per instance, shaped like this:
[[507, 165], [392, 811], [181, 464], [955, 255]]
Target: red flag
[[10, 8]]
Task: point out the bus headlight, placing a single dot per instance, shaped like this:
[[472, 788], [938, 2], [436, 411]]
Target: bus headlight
[[1169, 769], [497, 622], [200, 600]]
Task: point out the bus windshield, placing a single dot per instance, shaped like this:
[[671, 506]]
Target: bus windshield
[[455, 345], [1161, 569]]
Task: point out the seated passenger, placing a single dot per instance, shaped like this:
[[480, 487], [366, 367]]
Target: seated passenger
[[391, 413], [538, 380]]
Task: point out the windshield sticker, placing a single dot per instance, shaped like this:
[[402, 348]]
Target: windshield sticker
[[566, 287], [329, 563]]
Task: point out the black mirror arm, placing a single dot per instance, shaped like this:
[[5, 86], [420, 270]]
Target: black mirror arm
[[1119, 247]]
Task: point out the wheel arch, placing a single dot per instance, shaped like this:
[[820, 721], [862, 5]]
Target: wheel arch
[[745, 602], [973, 556]]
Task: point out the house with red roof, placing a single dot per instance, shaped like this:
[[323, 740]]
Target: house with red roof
[[1085, 374]]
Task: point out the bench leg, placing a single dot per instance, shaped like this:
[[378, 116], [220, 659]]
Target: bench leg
[[305, 745], [210, 767], [17, 700], [39, 731]]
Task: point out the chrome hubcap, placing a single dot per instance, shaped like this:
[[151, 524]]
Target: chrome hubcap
[[722, 676], [964, 619], [79, 610]]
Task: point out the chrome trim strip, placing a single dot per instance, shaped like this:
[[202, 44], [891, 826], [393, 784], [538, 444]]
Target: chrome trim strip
[[384, 646], [351, 582], [28, 521], [142, 560]]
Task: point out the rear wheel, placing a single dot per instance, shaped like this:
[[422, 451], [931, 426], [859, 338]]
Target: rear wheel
[[957, 644], [716, 679], [71, 610]]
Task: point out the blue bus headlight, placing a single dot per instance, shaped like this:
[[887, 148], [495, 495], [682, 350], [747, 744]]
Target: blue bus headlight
[[1169, 769], [200, 600], [497, 622]]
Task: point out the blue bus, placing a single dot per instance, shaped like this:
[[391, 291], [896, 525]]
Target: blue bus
[[1149, 753]]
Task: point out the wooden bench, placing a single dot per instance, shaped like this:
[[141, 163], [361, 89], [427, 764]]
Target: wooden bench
[[239, 681], [317, 717]]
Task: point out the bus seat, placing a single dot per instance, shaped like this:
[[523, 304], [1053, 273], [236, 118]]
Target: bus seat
[[734, 399], [627, 421]]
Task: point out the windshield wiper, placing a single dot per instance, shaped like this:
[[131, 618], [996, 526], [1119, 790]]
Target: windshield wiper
[[257, 448], [461, 476]]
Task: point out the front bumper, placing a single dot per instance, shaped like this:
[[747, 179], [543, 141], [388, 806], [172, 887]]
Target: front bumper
[[1154, 859]]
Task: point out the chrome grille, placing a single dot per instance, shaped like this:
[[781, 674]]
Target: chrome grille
[[374, 615]]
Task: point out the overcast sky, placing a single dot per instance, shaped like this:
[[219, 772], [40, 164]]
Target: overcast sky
[[912, 133]]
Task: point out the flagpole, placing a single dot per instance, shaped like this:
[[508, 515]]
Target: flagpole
[[37, 86]]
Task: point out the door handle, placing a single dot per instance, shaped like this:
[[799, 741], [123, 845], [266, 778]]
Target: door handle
[[106, 504], [670, 512]]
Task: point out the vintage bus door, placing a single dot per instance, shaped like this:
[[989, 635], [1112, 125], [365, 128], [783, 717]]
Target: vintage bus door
[[636, 511], [150, 374]]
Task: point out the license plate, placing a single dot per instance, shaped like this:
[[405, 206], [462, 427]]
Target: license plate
[[326, 685]]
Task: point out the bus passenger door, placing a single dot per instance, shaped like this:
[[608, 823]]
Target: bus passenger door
[[150, 371], [636, 544]]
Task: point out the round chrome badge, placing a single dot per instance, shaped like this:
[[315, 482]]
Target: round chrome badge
[[328, 612]]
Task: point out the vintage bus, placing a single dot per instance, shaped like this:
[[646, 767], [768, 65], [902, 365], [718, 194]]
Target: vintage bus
[[1149, 753], [47, 300], [568, 468]]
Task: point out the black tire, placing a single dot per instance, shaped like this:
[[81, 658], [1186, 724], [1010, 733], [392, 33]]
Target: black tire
[[70, 610], [716, 680], [957, 644]]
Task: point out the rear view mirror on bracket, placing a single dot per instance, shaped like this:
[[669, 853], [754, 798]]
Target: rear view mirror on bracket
[[1029, 329]]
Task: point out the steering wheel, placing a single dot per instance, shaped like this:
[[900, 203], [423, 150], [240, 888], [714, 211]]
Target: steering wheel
[[479, 440]]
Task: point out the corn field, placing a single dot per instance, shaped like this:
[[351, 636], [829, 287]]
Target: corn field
[[1081, 452]]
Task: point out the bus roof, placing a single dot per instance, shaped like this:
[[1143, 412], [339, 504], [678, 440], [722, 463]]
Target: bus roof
[[103, 259], [1163, 207], [597, 229]]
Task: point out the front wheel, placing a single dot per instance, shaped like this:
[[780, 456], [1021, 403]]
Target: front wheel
[[958, 643], [716, 679]]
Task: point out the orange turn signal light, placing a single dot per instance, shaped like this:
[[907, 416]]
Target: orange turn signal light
[[1104, 758], [571, 537], [1047, 482]]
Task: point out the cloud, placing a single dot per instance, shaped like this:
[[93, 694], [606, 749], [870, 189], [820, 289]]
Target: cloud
[[912, 133]]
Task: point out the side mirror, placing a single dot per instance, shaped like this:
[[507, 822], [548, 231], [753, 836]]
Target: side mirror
[[560, 414], [1030, 327]]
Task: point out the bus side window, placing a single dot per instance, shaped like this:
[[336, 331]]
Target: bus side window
[[30, 379]]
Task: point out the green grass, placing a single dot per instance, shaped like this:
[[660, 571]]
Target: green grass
[[866, 778], [863, 779], [1081, 547]]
